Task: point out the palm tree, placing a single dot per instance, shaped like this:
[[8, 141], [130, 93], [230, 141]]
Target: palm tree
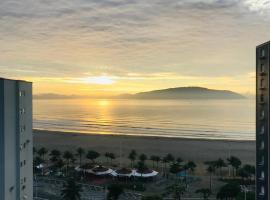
[[165, 161], [229, 191], [42, 152], [191, 166], [205, 192], [71, 190], [154, 197], [92, 155], [235, 163], [112, 157], [80, 153], [179, 160], [177, 190], [220, 164], [68, 156], [132, 157], [153, 159], [143, 158], [55, 155], [115, 191], [158, 159], [210, 169], [170, 158], [107, 155]]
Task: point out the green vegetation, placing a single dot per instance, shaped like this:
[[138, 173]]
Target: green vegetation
[[71, 191]]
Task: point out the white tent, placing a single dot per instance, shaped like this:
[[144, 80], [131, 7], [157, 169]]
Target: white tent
[[146, 175]]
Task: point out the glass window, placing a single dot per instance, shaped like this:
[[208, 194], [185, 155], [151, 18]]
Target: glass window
[[262, 174], [263, 53], [262, 68], [262, 190], [262, 145], [262, 114], [262, 129], [262, 83]]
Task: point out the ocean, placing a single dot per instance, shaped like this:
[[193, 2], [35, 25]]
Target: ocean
[[201, 119]]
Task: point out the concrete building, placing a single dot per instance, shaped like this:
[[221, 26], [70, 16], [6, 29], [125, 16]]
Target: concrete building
[[16, 144], [262, 121]]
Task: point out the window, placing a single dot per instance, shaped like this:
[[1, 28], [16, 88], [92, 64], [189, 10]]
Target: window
[[262, 68], [22, 129], [262, 83], [262, 145], [263, 53], [262, 114], [22, 111], [262, 190], [262, 160], [22, 93], [262, 129], [262, 175]]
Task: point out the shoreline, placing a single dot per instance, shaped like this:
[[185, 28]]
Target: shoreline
[[74, 133], [198, 150]]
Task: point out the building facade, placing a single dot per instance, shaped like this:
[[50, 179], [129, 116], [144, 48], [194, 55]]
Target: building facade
[[16, 143], [262, 121]]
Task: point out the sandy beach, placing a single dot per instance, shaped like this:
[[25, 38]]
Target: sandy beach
[[188, 149]]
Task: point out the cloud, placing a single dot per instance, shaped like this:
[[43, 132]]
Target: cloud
[[74, 38]]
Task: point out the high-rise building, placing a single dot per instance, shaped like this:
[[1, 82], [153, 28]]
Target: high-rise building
[[16, 144], [262, 121]]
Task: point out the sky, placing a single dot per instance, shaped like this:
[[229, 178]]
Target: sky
[[108, 47]]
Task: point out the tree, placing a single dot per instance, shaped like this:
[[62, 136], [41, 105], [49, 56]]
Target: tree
[[115, 190], [111, 156], [177, 190], [250, 170], [92, 155], [229, 191], [55, 155], [158, 159], [42, 152], [220, 164], [107, 155], [235, 163], [153, 159], [71, 190], [210, 169], [132, 157], [68, 156], [80, 152], [179, 160], [175, 168], [141, 167], [205, 192], [165, 161], [143, 158], [154, 197], [170, 158], [191, 166]]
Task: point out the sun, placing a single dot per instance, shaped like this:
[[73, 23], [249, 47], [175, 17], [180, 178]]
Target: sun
[[103, 102]]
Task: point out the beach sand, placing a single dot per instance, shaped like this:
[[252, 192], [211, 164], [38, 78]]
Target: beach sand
[[188, 149]]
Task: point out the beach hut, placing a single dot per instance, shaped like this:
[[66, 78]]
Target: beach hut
[[124, 172], [145, 174], [101, 171]]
